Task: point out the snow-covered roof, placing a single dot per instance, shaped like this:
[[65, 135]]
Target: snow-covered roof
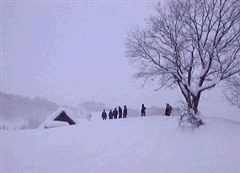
[[51, 122]]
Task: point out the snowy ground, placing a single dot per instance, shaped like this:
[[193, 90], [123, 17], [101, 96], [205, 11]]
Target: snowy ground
[[133, 145]]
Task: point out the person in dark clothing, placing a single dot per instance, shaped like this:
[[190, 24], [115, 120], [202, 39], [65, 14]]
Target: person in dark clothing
[[115, 113], [110, 114], [143, 111], [125, 111], [168, 110], [119, 112], [104, 115]]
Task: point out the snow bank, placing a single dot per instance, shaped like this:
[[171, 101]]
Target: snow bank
[[132, 145], [52, 124]]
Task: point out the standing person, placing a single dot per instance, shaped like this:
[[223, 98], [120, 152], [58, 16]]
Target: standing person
[[168, 109], [115, 113], [119, 112], [89, 117], [125, 111], [104, 115], [110, 114], [143, 111]]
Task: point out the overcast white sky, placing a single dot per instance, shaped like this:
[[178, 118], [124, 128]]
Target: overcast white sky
[[70, 52]]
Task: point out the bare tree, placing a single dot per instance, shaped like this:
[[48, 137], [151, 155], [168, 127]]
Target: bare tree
[[232, 90], [192, 44]]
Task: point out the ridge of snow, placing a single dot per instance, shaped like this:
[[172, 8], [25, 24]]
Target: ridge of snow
[[146, 144]]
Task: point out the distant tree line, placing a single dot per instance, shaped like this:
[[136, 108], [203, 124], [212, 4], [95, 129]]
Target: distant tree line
[[18, 109]]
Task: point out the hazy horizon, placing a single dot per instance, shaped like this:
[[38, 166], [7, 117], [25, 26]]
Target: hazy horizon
[[71, 52]]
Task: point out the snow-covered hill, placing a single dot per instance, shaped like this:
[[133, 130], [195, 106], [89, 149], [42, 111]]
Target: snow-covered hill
[[132, 145]]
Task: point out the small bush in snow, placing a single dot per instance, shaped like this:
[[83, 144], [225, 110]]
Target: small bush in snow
[[188, 117]]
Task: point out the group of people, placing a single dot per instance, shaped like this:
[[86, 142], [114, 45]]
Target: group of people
[[123, 113], [115, 113]]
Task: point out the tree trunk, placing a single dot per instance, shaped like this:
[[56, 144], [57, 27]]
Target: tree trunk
[[195, 102], [191, 100], [190, 112]]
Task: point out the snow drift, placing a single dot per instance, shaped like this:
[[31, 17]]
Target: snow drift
[[140, 145]]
